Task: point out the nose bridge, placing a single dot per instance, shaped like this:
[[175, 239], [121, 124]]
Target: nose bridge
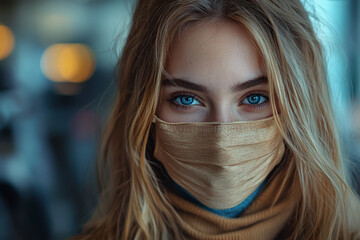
[[222, 112]]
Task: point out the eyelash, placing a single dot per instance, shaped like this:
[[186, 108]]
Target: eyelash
[[184, 107]]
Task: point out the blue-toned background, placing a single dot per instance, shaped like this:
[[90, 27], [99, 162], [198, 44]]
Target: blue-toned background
[[57, 61]]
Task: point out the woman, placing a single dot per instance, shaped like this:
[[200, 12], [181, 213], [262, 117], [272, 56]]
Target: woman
[[222, 129]]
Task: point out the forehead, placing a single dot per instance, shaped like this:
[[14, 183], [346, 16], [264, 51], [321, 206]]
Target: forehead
[[214, 53]]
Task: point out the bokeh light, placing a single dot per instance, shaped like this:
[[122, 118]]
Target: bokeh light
[[73, 63], [7, 41]]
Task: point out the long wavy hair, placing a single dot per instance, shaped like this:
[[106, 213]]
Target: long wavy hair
[[133, 204]]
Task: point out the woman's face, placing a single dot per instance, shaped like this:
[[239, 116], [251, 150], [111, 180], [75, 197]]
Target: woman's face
[[218, 76]]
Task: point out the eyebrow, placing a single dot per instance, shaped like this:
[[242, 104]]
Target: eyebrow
[[200, 88], [184, 84], [249, 83]]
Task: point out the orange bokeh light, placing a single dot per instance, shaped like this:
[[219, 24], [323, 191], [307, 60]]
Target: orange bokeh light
[[7, 41], [68, 63]]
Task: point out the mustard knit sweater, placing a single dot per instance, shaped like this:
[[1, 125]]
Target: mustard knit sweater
[[264, 219]]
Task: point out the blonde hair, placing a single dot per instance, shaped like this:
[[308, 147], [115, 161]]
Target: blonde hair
[[132, 201]]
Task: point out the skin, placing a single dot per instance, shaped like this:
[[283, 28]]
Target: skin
[[217, 76]]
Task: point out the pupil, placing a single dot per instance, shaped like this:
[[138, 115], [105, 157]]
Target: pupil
[[187, 100], [254, 99]]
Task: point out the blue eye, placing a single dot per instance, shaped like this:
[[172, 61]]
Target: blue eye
[[254, 99], [186, 100]]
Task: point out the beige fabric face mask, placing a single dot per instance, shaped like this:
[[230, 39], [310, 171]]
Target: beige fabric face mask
[[220, 164]]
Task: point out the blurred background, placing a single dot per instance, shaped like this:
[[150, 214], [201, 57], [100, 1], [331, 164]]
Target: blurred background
[[57, 83]]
